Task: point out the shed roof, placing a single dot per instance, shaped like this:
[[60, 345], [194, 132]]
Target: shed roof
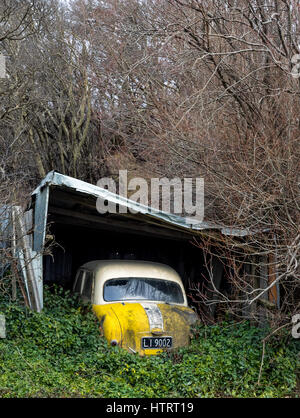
[[149, 213]]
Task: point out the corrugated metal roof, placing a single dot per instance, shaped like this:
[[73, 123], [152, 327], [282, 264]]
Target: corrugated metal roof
[[54, 178]]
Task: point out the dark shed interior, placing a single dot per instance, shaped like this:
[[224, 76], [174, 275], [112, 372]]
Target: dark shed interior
[[77, 233]]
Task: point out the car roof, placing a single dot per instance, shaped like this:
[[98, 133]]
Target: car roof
[[97, 264], [111, 269], [153, 269]]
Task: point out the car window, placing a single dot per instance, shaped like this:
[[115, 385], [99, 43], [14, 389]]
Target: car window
[[77, 287], [88, 284], [139, 288]]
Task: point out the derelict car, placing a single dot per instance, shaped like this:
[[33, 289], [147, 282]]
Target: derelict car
[[141, 306]]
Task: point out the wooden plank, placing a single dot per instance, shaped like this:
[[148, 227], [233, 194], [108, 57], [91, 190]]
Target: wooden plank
[[273, 293], [26, 259]]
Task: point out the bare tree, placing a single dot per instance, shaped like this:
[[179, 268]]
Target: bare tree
[[205, 88]]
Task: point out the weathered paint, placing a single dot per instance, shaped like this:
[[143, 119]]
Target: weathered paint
[[128, 322], [154, 316]]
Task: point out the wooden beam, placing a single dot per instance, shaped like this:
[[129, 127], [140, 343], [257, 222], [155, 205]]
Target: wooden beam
[[128, 226], [273, 294]]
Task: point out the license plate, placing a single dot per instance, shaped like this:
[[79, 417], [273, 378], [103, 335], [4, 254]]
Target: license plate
[[157, 342]]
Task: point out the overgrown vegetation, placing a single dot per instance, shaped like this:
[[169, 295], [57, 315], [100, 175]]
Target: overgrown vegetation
[[59, 353]]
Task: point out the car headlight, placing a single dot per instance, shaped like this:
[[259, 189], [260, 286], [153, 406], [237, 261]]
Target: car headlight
[[113, 343]]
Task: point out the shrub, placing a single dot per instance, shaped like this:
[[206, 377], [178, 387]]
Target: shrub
[[59, 353]]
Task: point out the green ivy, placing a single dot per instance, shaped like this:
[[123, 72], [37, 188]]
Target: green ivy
[[59, 353]]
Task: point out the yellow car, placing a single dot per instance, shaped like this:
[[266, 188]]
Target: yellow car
[[141, 306]]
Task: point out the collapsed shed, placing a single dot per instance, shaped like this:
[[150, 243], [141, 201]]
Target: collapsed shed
[[63, 214]]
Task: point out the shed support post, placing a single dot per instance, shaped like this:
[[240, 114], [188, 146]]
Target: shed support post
[[40, 223]]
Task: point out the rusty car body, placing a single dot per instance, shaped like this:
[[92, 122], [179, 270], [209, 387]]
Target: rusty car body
[[141, 306]]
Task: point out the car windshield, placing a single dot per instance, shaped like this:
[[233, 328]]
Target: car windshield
[[137, 288]]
